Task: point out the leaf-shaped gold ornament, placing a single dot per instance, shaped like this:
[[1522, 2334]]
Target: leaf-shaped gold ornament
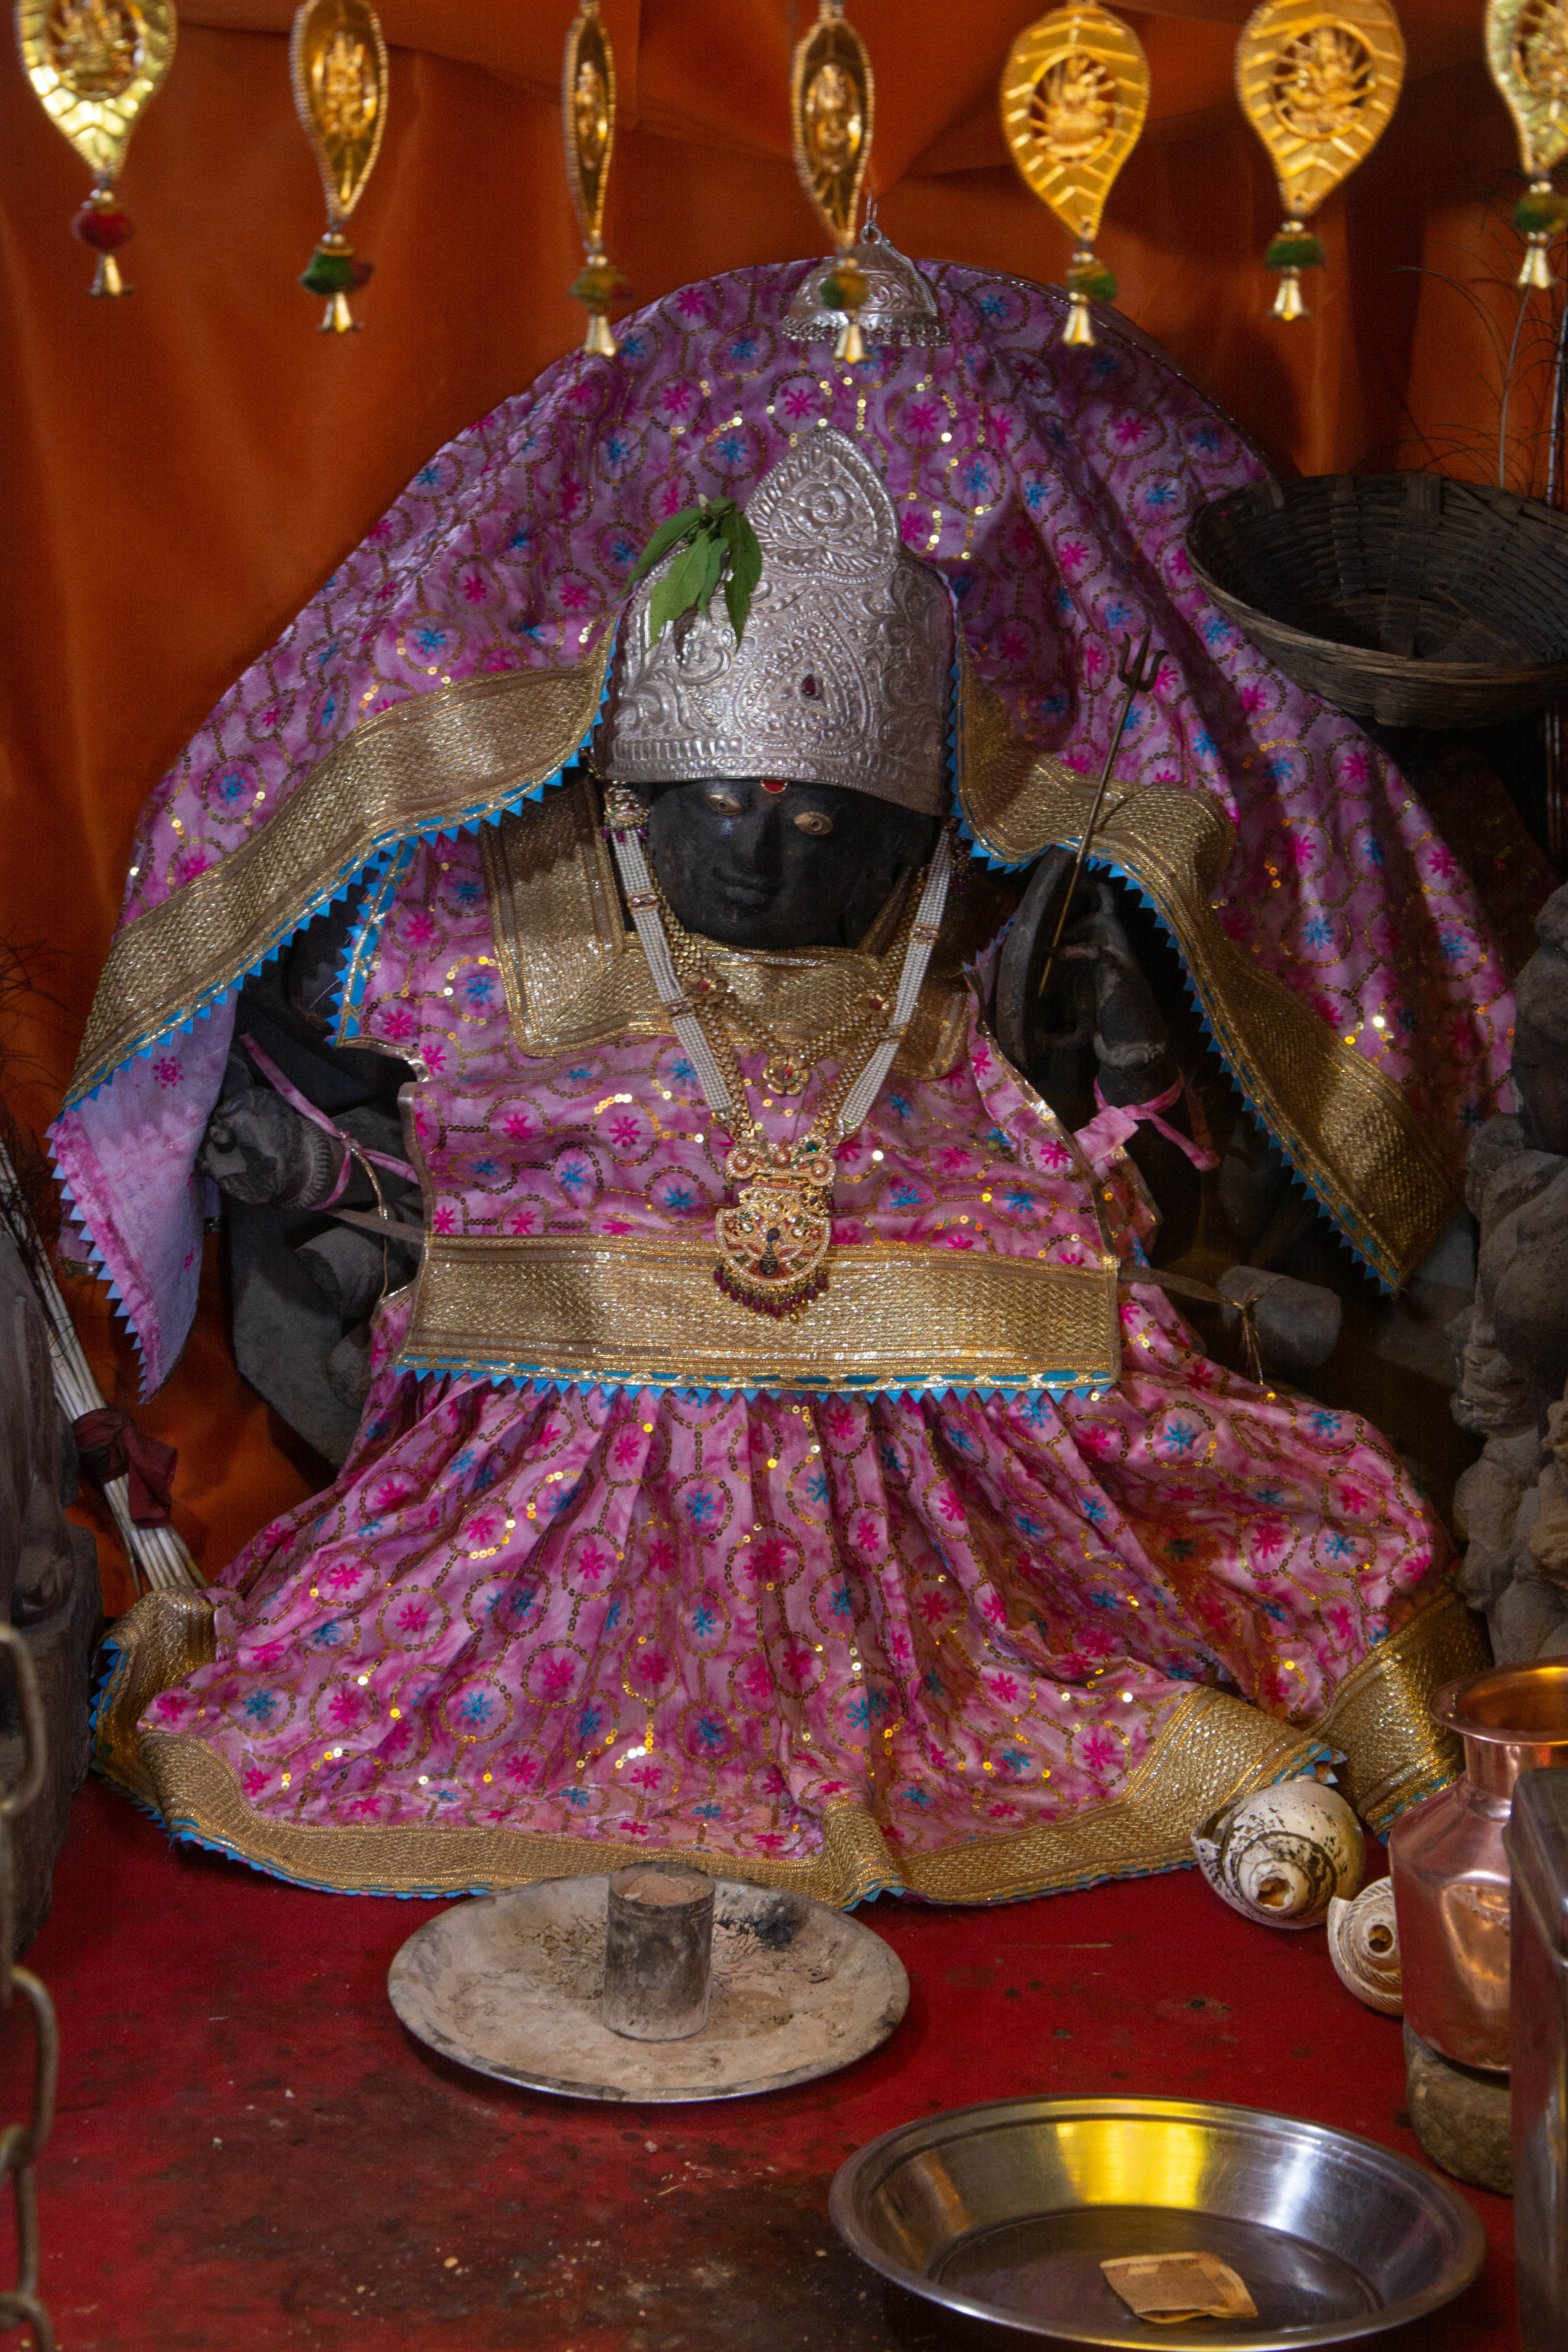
[[588, 124], [337, 56], [1526, 50], [1317, 80], [832, 102], [1074, 97], [94, 65]]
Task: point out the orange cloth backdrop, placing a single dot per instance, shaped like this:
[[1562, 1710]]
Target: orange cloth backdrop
[[183, 467]]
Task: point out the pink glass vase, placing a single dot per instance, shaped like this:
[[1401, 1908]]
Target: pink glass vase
[[1449, 1870]]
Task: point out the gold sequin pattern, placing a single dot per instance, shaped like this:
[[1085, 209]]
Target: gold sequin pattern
[[645, 1312]]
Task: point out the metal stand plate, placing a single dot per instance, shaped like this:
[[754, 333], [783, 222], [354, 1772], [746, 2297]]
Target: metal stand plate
[[509, 1984]]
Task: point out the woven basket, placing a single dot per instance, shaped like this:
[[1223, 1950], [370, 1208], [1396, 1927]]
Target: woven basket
[[1407, 598]]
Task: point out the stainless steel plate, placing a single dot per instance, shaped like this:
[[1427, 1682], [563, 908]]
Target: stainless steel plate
[[1006, 2212], [509, 1984]]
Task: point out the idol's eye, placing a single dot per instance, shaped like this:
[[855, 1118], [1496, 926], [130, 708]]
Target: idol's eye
[[724, 803], [815, 822]]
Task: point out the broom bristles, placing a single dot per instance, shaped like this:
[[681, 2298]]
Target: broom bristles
[[159, 1556]]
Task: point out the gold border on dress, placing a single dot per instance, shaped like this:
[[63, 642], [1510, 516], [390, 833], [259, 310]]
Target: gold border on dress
[[646, 1312], [1215, 1749]]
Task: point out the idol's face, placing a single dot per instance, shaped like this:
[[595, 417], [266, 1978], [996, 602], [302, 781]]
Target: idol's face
[[753, 866]]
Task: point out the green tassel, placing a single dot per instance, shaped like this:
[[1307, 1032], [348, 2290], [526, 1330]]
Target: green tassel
[[598, 284], [330, 273], [1295, 253], [1541, 215], [1093, 280]]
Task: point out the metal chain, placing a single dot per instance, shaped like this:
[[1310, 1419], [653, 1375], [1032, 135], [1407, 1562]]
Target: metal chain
[[20, 2143]]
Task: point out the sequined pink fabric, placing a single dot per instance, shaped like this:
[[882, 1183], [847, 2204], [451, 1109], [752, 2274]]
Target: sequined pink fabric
[[706, 1620], [1051, 486]]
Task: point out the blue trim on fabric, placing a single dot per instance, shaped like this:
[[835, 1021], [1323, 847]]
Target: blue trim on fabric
[[97, 1260], [1057, 1386], [112, 1649], [360, 945]]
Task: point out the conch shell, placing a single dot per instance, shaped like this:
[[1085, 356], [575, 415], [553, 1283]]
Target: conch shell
[[1363, 1945], [1282, 1855]]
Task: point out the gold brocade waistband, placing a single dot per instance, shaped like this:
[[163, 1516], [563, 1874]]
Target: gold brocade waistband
[[646, 1313]]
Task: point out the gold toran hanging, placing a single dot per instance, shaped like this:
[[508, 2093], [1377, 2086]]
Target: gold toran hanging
[[588, 120], [1527, 50], [95, 63], [1074, 91], [1317, 84], [832, 99], [339, 62]]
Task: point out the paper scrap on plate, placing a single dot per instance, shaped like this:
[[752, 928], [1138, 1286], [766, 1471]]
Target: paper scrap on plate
[[1167, 2288]]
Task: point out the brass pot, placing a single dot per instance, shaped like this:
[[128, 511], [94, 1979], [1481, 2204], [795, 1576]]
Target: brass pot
[[1449, 1868]]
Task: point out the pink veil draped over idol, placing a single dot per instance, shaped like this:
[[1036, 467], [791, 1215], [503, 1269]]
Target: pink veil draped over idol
[[1052, 486]]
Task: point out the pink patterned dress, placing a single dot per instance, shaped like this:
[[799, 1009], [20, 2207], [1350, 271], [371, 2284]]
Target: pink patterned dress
[[707, 1620]]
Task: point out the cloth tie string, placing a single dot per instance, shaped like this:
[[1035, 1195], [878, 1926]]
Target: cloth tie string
[[308, 1110], [1107, 1132], [111, 1446]]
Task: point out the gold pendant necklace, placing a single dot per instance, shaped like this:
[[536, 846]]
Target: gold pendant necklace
[[774, 1243], [774, 1239]]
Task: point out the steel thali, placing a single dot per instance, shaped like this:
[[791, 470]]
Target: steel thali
[[1004, 2212]]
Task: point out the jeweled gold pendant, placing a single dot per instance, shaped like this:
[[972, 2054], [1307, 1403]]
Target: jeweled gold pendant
[[774, 1242], [1317, 80], [1527, 50], [1074, 95], [95, 63], [338, 56]]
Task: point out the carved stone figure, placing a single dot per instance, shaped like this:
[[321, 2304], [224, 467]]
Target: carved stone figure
[[1513, 1345]]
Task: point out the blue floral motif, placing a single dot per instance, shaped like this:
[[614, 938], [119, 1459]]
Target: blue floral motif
[[589, 1718], [704, 1618], [1318, 932], [1181, 1435], [709, 1812], [464, 893], [839, 1600], [1215, 631], [613, 1615], [701, 1509], [261, 1706], [477, 1710], [710, 1732], [1027, 1525], [1324, 1424], [429, 639], [328, 1637]]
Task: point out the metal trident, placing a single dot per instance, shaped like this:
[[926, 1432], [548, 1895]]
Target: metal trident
[[1138, 674]]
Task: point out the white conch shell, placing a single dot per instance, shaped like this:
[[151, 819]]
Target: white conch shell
[[1363, 1945], [1280, 1855]]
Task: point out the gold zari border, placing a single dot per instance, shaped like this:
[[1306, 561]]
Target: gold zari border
[[1215, 1749], [1380, 1720], [451, 757], [1345, 1125], [646, 1313]]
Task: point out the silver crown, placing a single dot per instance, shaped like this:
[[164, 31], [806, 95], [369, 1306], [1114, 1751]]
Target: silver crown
[[843, 673]]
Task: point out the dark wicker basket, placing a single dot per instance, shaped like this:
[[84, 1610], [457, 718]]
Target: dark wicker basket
[[1407, 598]]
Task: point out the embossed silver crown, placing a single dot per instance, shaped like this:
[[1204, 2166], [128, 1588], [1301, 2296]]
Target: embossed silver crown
[[843, 673]]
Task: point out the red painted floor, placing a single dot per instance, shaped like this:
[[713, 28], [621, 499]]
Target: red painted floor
[[250, 2151]]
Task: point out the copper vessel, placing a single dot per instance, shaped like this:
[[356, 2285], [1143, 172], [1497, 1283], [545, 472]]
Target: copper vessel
[[1448, 1863]]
